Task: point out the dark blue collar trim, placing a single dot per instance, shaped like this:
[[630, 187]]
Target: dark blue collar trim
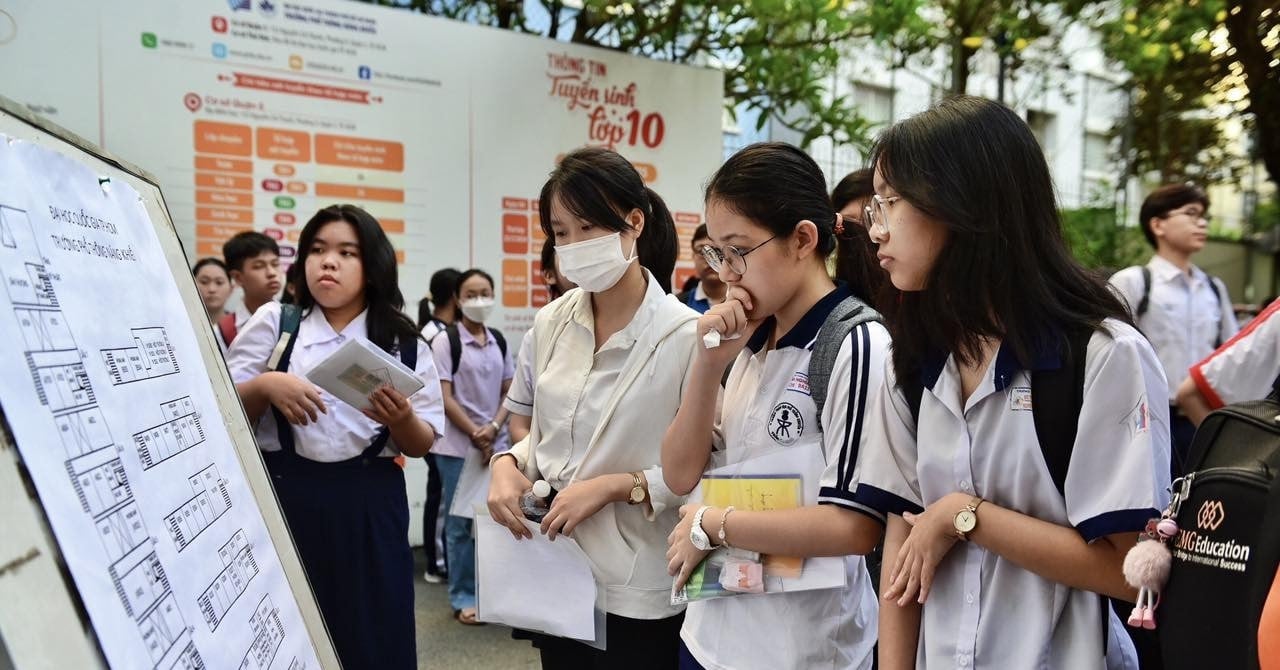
[[1046, 356], [806, 328]]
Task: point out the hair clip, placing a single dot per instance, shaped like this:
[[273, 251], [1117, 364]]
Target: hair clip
[[839, 224]]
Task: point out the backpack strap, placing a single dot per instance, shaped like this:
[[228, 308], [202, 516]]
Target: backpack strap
[[847, 315], [1145, 302], [1216, 286], [227, 327], [408, 347], [502, 341], [455, 347], [1057, 397], [440, 326], [290, 322]]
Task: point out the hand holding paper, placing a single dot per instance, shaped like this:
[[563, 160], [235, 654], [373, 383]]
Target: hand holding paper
[[388, 406], [357, 369]]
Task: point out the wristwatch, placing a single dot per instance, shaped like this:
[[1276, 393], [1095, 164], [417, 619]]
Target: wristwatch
[[638, 492], [698, 536], [967, 518]]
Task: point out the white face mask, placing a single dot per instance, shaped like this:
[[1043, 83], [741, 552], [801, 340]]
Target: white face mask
[[595, 265], [477, 309]]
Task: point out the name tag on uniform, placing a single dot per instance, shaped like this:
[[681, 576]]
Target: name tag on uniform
[[799, 383], [1020, 399]]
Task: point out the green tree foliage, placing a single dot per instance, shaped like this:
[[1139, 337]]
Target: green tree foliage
[[1099, 243], [777, 56], [1194, 63]]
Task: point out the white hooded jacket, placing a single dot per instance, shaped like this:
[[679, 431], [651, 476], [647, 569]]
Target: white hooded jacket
[[627, 545]]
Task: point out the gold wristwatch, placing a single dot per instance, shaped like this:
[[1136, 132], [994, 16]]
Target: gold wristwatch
[[638, 492], [967, 518]]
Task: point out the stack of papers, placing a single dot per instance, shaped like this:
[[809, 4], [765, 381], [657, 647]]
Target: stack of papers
[[357, 369]]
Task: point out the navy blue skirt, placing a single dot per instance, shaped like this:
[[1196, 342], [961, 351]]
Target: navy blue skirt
[[350, 523]]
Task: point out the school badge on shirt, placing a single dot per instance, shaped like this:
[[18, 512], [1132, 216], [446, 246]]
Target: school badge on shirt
[[785, 424], [1020, 398], [1141, 418]]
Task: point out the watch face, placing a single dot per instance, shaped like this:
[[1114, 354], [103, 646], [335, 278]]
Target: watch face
[[966, 520], [637, 495], [699, 539]]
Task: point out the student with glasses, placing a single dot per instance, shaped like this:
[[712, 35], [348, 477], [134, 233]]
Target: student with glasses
[[1001, 535], [1183, 311], [771, 228]]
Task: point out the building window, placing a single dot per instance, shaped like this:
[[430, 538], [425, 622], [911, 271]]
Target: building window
[[874, 103], [1097, 152], [1043, 128]]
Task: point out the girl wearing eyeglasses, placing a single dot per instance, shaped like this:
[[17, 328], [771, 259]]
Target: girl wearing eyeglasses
[[772, 227], [1001, 533]]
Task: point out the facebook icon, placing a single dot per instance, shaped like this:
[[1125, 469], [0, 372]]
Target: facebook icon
[[364, 72]]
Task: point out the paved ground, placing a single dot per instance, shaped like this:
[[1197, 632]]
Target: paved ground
[[445, 644]]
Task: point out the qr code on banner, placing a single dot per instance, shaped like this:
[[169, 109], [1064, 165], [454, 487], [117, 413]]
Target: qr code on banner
[[365, 381]]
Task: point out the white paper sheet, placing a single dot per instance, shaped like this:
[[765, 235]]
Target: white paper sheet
[[473, 485], [534, 584], [358, 368], [113, 412]]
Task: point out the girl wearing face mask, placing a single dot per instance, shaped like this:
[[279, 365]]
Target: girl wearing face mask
[[609, 364], [473, 381], [333, 465]]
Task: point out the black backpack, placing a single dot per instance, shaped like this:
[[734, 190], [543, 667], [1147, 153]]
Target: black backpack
[[1056, 399], [455, 345], [1228, 546]]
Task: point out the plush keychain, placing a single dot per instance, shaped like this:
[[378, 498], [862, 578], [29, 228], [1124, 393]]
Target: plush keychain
[[1146, 568]]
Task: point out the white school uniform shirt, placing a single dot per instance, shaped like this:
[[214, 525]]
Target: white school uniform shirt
[[605, 412], [984, 612], [1184, 319], [431, 329], [1245, 367], [520, 394], [767, 405], [342, 432]]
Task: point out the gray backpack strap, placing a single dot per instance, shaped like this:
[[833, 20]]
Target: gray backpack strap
[[846, 316]]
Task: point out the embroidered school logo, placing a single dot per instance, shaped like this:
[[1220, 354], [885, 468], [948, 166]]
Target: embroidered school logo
[[799, 383], [1211, 515], [1020, 399], [1139, 417], [785, 424]]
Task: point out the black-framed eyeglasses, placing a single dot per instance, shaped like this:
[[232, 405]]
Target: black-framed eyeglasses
[[875, 216], [735, 257]]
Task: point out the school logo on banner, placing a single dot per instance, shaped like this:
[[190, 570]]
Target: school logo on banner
[[785, 424]]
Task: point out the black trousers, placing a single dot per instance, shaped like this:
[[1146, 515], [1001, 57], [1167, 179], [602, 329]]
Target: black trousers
[[431, 515], [632, 643]]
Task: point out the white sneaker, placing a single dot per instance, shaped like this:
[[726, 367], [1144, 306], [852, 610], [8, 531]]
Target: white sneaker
[[432, 578]]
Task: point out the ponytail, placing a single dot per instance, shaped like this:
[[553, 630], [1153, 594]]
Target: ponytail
[[595, 184], [658, 242], [855, 253]]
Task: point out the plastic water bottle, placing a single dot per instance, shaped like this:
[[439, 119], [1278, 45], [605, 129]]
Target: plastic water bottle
[[535, 502]]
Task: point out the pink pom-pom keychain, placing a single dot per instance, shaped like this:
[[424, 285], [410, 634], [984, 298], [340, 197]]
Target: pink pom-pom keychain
[[1146, 568]]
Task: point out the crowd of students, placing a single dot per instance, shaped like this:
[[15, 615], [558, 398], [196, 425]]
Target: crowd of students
[[985, 409]]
